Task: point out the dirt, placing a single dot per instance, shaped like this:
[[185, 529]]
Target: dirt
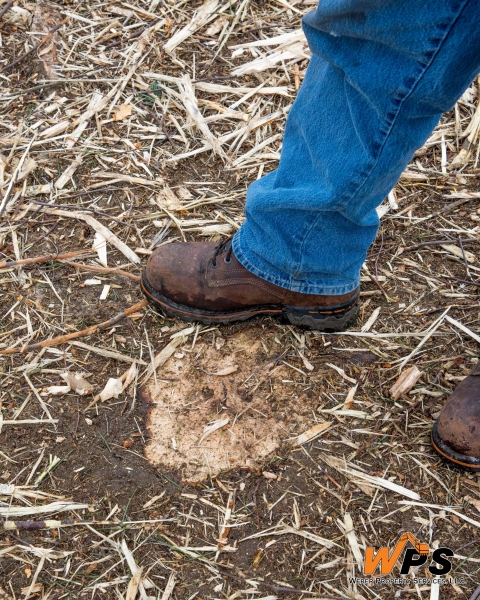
[[179, 500]]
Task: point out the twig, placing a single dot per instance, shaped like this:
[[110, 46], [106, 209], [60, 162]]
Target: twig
[[375, 281], [103, 270], [38, 259], [450, 207], [161, 123], [466, 281], [407, 412], [476, 594], [440, 242], [5, 8], [134, 35], [86, 209], [55, 524], [71, 336], [40, 43]]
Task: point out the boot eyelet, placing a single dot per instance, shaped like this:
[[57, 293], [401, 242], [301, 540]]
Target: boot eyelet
[[227, 261], [214, 264]]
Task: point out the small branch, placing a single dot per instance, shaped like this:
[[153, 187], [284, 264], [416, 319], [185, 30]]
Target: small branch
[[39, 259], [5, 8], [71, 336], [36, 47], [450, 207], [375, 281], [102, 270], [161, 123], [466, 281], [440, 242]]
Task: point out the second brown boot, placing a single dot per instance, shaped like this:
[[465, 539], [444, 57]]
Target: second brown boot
[[203, 281], [456, 434]]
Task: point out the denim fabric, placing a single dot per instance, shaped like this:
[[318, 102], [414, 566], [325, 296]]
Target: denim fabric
[[381, 75]]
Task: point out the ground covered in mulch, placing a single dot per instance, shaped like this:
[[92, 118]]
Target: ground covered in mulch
[[259, 460]]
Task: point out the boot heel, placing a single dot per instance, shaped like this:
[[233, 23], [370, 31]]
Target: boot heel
[[328, 320]]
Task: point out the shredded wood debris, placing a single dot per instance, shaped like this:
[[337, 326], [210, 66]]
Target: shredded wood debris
[[128, 125]]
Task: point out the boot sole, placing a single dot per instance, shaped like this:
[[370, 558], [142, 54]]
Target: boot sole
[[467, 463], [328, 320]]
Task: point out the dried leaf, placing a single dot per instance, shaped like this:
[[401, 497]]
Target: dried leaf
[[341, 372], [196, 118], [373, 317], [18, 16], [349, 398], [77, 383], [55, 129], [122, 112], [216, 26], [459, 253], [201, 18], [257, 558], [352, 539], [129, 376], [68, 173], [473, 501]]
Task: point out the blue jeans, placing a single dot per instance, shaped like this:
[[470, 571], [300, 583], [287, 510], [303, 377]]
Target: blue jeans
[[381, 75]]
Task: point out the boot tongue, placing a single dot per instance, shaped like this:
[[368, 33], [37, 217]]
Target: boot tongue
[[224, 246]]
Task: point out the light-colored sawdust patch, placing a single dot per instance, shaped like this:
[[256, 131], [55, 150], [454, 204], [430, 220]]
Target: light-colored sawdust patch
[[261, 409]]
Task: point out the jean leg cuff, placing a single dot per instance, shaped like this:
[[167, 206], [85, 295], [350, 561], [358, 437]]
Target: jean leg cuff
[[268, 273]]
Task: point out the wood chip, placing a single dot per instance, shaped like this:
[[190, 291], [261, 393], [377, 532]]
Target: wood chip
[[405, 382]]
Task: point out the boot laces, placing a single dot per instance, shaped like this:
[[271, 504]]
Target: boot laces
[[224, 247]]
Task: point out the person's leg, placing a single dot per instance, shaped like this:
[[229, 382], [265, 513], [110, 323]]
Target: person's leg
[[382, 73]]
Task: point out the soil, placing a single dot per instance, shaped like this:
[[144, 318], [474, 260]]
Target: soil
[[167, 505]]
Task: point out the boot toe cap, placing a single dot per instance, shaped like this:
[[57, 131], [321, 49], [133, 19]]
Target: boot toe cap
[[456, 434], [176, 271]]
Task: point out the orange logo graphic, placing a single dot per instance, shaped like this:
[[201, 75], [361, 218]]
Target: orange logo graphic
[[414, 557]]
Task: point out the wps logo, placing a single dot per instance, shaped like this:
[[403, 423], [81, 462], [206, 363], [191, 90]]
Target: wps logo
[[414, 557]]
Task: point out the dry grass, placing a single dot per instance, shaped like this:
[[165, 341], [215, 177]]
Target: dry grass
[[134, 124]]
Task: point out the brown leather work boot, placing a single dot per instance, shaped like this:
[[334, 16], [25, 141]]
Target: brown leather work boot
[[456, 433], [203, 281]]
